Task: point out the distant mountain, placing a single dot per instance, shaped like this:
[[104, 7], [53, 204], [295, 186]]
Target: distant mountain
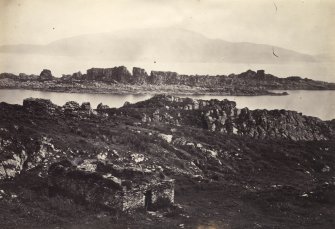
[[165, 44]]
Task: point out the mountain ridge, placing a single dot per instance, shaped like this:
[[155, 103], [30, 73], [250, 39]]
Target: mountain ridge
[[178, 45]]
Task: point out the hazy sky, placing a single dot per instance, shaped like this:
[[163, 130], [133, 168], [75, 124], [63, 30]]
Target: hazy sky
[[305, 26]]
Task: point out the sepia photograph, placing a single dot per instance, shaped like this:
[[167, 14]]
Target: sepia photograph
[[200, 114]]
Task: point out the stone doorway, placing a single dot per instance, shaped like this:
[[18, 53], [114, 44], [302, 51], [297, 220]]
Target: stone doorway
[[148, 200]]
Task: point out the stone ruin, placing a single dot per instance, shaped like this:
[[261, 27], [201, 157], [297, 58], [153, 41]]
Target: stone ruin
[[112, 186]]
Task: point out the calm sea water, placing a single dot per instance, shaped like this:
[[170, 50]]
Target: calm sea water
[[313, 103]]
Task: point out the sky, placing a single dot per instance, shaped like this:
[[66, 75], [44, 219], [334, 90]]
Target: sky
[[304, 26]]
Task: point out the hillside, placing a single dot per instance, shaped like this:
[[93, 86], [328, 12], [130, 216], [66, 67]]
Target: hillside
[[232, 168]]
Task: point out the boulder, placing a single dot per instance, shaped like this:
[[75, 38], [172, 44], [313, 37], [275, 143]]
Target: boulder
[[46, 75], [102, 107], [10, 167], [126, 103], [77, 76], [166, 137], [71, 106], [12, 157], [86, 106]]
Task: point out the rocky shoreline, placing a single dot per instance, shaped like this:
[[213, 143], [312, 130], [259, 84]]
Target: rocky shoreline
[[177, 162], [119, 80], [102, 88]]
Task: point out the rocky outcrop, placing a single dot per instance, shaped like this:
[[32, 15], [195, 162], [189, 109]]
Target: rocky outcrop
[[46, 75], [24, 153], [102, 107], [39, 106], [73, 108], [140, 76], [280, 124], [86, 106], [45, 106], [12, 157], [116, 74], [249, 80], [214, 115], [159, 77], [20, 77], [223, 116]]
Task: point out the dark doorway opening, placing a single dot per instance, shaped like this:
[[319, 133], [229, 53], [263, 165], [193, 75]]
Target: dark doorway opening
[[148, 200]]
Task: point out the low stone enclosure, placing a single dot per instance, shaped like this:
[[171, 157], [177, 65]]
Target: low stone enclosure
[[111, 186]]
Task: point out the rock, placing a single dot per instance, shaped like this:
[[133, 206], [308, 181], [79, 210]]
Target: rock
[[88, 165], [166, 137], [159, 77], [326, 169], [44, 154], [260, 74], [156, 116], [223, 116], [140, 76], [102, 156], [145, 118], [126, 103], [40, 105], [86, 106], [71, 106], [212, 152], [25, 77], [46, 75], [12, 158], [77, 76], [116, 74], [113, 178], [102, 107], [137, 157]]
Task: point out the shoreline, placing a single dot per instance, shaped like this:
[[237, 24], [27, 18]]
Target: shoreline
[[149, 91]]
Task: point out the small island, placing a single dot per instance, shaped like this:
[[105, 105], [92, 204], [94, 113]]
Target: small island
[[119, 80]]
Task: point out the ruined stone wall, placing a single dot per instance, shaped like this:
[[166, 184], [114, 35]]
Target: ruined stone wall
[[163, 192], [133, 199], [89, 187], [103, 189]]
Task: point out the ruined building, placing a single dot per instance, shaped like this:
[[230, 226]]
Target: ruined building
[[115, 187]]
